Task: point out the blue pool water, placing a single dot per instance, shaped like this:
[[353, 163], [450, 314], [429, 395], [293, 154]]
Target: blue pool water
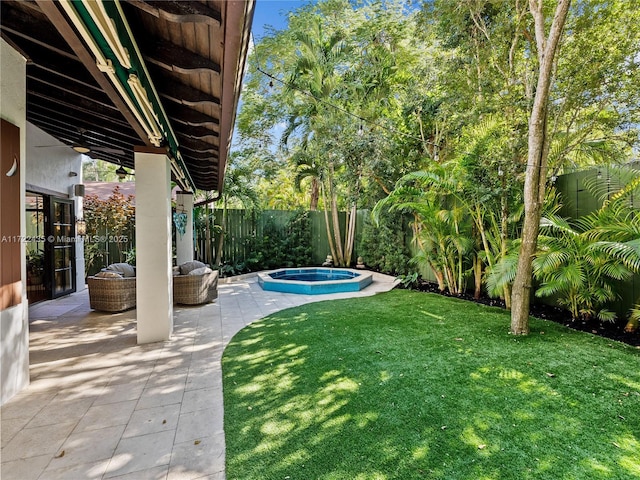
[[313, 276], [314, 281]]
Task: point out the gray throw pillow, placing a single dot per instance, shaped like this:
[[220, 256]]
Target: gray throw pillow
[[124, 268], [200, 271], [185, 268]]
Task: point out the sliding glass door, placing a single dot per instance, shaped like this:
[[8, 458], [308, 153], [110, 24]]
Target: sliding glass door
[[61, 246]]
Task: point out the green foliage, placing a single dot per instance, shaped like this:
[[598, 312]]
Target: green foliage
[[275, 246], [111, 225], [383, 246], [409, 281], [579, 267], [297, 241]]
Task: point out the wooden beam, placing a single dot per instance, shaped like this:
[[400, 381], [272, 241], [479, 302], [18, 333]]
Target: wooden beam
[[65, 104], [180, 11], [174, 58], [196, 145], [178, 92], [32, 26], [189, 116], [68, 32], [117, 139], [71, 91], [201, 133]]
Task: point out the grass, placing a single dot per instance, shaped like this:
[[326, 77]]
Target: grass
[[408, 385]]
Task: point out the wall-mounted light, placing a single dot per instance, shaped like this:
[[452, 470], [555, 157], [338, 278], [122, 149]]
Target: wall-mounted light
[[121, 172], [81, 227], [73, 174]]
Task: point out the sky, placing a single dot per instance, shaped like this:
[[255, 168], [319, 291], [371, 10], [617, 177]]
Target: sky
[[273, 13]]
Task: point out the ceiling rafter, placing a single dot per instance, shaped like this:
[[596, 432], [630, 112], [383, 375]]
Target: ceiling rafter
[[59, 21], [189, 116], [180, 11], [99, 99], [200, 133], [196, 146], [67, 93], [175, 58], [116, 138], [179, 92]]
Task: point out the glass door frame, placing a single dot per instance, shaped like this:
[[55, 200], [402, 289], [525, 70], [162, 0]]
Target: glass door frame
[[61, 236]]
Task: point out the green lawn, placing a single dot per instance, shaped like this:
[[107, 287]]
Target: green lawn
[[408, 385]]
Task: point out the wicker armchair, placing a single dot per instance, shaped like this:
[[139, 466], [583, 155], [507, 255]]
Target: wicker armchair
[[112, 294], [195, 289]]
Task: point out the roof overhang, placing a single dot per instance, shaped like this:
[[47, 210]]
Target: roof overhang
[[139, 73]]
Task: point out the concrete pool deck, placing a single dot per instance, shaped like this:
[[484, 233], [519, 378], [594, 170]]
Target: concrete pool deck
[[100, 406]]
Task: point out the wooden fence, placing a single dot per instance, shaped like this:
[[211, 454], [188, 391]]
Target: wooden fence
[[243, 226]]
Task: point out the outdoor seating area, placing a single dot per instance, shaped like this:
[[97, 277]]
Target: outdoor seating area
[[101, 406], [115, 294], [195, 289], [114, 288]]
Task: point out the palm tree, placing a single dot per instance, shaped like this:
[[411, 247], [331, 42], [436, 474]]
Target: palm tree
[[581, 262]]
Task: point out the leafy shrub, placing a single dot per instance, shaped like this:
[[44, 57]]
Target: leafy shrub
[[384, 247]]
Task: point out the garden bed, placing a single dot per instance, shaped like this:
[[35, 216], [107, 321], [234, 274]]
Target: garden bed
[[612, 330]]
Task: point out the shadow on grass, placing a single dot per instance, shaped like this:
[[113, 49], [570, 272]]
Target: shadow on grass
[[406, 385]]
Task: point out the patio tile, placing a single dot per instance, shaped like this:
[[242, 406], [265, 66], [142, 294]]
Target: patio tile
[[26, 404], [59, 411], [154, 473], [106, 415], [202, 460], [88, 471], [206, 377], [24, 468], [87, 447], [33, 442], [10, 427], [199, 424], [153, 420], [120, 392], [141, 453], [201, 399], [125, 411]]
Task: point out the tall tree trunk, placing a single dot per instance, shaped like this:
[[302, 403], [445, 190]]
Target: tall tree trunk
[[327, 225], [504, 225], [535, 176], [207, 236], [337, 236], [477, 275], [350, 235], [315, 194], [223, 229]]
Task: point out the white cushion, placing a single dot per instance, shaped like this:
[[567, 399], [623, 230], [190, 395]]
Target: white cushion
[[107, 274]]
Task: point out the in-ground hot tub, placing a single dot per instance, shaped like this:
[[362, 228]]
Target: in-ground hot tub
[[314, 281]]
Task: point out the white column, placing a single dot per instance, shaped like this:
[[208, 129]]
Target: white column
[[184, 242], [154, 283]]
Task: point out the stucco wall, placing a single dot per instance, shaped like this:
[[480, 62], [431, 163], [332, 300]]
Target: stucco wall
[[49, 170], [14, 328]]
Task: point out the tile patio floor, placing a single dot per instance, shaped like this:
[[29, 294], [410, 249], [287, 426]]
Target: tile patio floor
[[100, 406]]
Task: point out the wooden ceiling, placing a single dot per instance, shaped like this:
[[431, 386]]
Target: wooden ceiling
[[194, 53]]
